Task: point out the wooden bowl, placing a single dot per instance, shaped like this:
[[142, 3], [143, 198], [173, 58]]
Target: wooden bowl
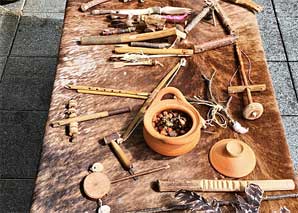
[[165, 145]]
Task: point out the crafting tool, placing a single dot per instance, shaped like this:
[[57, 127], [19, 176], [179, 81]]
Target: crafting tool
[[199, 17], [253, 110], [249, 4], [106, 91], [152, 51], [210, 45], [136, 57], [116, 139], [97, 184], [86, 6], [125, 38], [151, 10], [150, 45], [76, 119], [118, 31], [120, 64], [223, 185], [73, 125]]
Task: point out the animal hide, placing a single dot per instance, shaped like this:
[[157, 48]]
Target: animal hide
[[63, 165]]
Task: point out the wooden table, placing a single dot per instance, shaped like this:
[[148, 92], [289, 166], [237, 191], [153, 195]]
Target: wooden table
[[63, 165]]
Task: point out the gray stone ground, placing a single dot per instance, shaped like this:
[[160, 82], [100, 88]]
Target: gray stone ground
[[28, 57]]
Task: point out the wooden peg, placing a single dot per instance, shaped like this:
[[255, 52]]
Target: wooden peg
[[86, 6], [253, 110], [73, 126]]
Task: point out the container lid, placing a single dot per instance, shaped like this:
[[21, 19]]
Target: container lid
[[232, 158]]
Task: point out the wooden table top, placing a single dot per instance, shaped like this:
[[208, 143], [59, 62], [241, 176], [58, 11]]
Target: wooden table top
[[63, 164]]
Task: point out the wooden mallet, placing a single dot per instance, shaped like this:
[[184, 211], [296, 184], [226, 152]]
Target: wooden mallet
[[253, 110]]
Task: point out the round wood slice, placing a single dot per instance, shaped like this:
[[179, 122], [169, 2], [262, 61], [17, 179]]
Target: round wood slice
[[96, 185]]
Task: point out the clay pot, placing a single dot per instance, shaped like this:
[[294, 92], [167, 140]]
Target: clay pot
[[165, 145], [232, 158]]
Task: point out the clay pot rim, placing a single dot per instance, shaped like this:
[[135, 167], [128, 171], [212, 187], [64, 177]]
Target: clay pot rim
[[172, 104]]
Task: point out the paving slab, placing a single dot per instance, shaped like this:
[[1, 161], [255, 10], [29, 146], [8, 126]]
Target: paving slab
[[45, 6], [37, 37], [294, 71], [15, 7], [16, 195], [31, 67], [270, 34], [8, 26], [21, 136], [290, 123], [284, 89], [288, 20], [2, 64], [21, 93]]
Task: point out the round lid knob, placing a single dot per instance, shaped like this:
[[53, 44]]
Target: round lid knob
[[234, 148]]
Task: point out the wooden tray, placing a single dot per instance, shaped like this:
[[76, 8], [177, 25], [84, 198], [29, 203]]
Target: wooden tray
[[63, 165]]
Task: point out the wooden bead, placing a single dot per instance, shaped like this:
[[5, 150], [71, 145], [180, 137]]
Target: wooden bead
[[253, 111], [96, 185]]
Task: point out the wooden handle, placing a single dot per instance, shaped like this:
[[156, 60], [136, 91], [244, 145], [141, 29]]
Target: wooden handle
[[197, 19], [223, 185], [90, 117], [86, 6], [117, 39], [125, 162], [152, 51]]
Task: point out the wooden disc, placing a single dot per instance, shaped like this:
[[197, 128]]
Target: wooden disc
[[96, 185], [253, 111]]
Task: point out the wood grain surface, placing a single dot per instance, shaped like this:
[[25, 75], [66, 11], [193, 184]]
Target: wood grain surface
[[63, 165]]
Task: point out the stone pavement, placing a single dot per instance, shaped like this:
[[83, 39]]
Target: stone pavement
[[28, 56]]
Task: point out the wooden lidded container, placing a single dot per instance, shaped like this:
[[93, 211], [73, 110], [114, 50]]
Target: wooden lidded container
[[165, 145]]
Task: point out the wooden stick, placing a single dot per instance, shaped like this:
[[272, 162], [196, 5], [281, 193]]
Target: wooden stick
[[73, 125], [197, 19], [112, 94], [89, 117], [141, 173], [118, 31], [86, 6], [249, 4], [101, 89], [152, 51], [210, 45], [224, 185], [224, 18], [117, 39], [252, 88], [150, 45]]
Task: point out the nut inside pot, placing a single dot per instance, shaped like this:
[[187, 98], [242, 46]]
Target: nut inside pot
[[172, 123]]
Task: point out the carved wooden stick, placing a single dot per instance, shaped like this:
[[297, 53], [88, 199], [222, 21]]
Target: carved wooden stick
[[152, 51], [117, 39], [73, 126], [86, 6], [75, 119], [224, 18], [150, 45], [210, 45], [197, 19], [249, 4], [223, 185], [118, 31]]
